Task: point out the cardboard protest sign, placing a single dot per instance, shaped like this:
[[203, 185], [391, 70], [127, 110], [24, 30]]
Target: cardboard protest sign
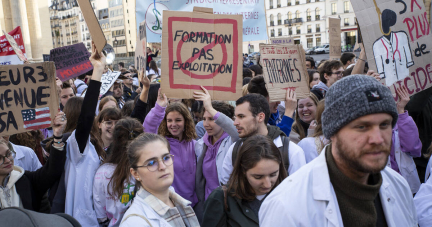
[[71, 61], [286, 40], [397, 38], [284, 68], [107, 81], [202, 49], [335, 38], [8, 55], [29, 97], [140, 51], [93, 25]]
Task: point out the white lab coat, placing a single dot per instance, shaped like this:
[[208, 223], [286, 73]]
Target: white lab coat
[[295, 154], [397, 49], [406, 165], [26, 158], [307, 198], [423, 204]]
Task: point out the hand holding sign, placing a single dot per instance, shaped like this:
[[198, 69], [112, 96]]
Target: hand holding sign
[[403, 99], [290, 103], [98, 61], [59, 124]]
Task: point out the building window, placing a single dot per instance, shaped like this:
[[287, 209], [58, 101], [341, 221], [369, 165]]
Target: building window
[[298, 30], [290, 31], [308, 15], [272, 33], [279, 3], [280, 32], [289, 3], [271, 4], [318, 28], [346, 7], [318, 41], [289, 15], [309, 42], [271, 20], [317, 14], [309, 29], [279, 17], [117, 23], [346, 22], [297, 14], [333, 8]]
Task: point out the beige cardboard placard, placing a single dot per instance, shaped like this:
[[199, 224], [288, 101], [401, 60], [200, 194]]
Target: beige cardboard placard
[[335, 38], [398, 42], [286, 40], [93, 25], [15, 46], [201, 49], [284, 68], [140, 51], [29, 97]]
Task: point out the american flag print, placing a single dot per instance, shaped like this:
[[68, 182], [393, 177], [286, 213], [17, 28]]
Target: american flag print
[[36, 118]]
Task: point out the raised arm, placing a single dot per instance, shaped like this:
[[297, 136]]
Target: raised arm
[[88, 110], [226, 123], [139, 112], [156, 114], [290, 106]]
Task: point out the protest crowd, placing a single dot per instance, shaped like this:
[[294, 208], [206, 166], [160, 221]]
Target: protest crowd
[[343, 154]]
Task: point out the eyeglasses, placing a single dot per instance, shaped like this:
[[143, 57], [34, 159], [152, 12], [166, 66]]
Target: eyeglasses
[[9, 155], [153, 165], [109, 124]]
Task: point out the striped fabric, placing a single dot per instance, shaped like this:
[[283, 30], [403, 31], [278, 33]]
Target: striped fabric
[[182, 215]]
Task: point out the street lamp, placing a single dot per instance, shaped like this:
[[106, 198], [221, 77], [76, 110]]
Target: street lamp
[[132, 49], [115, 43]]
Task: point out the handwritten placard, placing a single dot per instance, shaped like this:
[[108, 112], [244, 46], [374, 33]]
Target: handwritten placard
[[28, 97], [140, 51], [284, 68], [71, 61], [15, 47], [335, 38]]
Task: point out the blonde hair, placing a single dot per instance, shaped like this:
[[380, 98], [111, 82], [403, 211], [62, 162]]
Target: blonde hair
[[245, 90]]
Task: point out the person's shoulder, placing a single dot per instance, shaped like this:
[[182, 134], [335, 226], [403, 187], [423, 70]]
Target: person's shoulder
[[24, 149], [394, 178], [294, 147], [217, 194]]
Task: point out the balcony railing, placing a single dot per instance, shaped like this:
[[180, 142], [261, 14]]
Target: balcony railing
[[279, 22], [66, 25], [298, 31], [67, 34], [279, 33], [73, 24], [346, 11], [74, 33], [347, 24], [309, 18], [318, 29], [272, 35], [309, 30], [297, 2], [334, 13], [279, 5], [317, 17], [271, 6], [88, 38], [289, 3], [271, 23], [68, 43]]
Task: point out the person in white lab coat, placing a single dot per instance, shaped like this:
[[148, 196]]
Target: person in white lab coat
[[392, 52], [348, 184]]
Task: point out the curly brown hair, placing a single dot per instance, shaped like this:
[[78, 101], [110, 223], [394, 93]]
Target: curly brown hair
[[189, 126]]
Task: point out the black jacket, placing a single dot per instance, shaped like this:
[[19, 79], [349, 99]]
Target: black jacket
[[128, 94], [33, 185], [237, 214]]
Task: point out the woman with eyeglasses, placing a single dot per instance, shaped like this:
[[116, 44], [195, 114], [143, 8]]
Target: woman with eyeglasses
[[258, 169], [113, 187], [155, 203], [175, 123], [19, 188]]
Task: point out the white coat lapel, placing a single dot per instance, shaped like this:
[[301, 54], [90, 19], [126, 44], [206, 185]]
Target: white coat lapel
[[387, 201]]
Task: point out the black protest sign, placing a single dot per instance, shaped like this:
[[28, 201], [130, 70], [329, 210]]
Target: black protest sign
[[71, 61], [28, 97]]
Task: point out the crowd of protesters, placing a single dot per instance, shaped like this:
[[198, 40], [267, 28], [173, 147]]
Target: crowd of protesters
[[346, 154]]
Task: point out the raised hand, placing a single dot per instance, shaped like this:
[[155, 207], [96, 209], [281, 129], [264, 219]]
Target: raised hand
[[98, 60], [374, 75], [59, 124], [162, 100], [404, 98], [290, 103], [205, 97], [143, 79]]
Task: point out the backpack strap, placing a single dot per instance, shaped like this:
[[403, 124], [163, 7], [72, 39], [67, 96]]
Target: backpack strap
[[285, 151], [136, 215], [235, 150]]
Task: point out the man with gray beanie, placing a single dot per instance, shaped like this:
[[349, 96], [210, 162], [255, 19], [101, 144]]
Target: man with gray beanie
[[348, 184]]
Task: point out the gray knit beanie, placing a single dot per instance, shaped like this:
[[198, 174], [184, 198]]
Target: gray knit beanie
[[353, 97]]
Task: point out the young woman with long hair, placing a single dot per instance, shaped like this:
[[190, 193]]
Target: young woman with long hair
[[153, 69], [258, 169], [113, 185], [305, 114], [175, 123], [313, 145], [212, 147], [155, 203]]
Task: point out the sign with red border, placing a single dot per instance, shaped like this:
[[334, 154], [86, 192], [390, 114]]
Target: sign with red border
[[201, 49]]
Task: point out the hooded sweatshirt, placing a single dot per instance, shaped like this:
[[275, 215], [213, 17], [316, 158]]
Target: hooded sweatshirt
[[321, 87], [184, 157], [8, 194]]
